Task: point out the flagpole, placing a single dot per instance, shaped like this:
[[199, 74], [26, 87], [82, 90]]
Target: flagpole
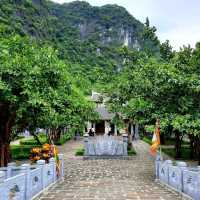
[[160, 152]]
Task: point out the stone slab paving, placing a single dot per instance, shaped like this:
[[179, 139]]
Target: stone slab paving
[[109, 179]]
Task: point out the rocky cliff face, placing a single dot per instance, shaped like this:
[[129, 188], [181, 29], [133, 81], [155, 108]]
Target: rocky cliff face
[[109, 25]]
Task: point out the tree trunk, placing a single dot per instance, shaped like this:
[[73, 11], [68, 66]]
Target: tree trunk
[[162, 139], [36, 137], [177, 144], [192, 146], [6, 121], [198, 148]]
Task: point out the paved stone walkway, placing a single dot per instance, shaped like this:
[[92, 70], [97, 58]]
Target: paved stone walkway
[[108, 179]]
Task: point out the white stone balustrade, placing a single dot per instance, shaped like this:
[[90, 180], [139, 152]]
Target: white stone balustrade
[[179, 176], [26, 181]]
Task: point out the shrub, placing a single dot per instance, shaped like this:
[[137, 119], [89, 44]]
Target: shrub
[[131, 152], [32, 141], [21, 151], [64, 138], [80, 152], [147, 140]]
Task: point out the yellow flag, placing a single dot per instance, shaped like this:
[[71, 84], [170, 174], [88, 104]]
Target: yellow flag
[[155, 139]]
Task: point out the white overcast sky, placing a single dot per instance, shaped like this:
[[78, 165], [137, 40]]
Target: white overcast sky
[[176, 20]]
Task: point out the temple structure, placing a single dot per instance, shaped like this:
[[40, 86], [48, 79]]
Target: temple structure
[[104, 125]]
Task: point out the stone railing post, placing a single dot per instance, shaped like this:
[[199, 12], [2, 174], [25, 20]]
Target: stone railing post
[[86, 139], [61, 165], [198, 183], [182, 166], [53, 164], [41, 165], [164, 171], [3, 192], [168, 163], [9, 169], [25, 168], [157, 164], [2, 176], [125, 144]]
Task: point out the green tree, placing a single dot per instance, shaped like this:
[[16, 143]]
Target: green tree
[[166, 51]]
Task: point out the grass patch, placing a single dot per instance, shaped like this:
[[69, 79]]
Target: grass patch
[[80, 152], [32, 141], [185, 153], [147, 140], [43, 139], [131, 152], [172, 141]]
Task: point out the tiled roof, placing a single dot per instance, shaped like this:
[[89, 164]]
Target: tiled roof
[[104, 113]]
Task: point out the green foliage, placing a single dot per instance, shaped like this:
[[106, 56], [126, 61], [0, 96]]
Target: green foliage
[[147, 140], [86, 37], [80, 152], [166, 51], [61, 52], [150, 128], [131, 152], [185, 153], [21, 151], [32, 141], [64, 138]]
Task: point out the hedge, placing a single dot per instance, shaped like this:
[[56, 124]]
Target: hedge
[[43, 139], [21, 151]]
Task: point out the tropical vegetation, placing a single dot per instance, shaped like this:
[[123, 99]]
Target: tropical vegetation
[[52, 56]]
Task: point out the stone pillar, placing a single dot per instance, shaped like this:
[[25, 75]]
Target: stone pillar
[[53, 163], [3, 192], [41, 165], [62, 173], [125, 144], [25, 168], [182, 165], [107, 127], [2, 176], [137, 132], [89, 126], [198, 180], [168, 163], [86, 138], [9, 169], [115, 131], [132, 131], [157, 165], [94, 127]]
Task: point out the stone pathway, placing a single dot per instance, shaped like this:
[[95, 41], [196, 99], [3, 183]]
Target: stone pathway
[[108, 179]]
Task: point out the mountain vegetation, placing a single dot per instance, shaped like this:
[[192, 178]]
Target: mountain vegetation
[[53, 55]]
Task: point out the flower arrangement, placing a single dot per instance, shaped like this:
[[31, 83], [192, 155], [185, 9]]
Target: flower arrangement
[[46, 152]]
